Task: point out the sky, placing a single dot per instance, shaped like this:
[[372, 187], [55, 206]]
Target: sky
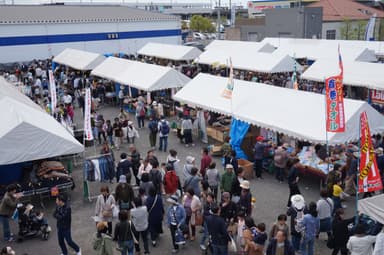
[[223, 2]]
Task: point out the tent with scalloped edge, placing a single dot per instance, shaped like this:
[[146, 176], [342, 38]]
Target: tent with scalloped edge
[[298, 114], [27, 132], [79, 59]]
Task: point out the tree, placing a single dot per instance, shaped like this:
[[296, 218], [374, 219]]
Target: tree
[[346, 29], [201, 24]]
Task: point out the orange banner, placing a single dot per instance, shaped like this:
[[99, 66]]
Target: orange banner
[[335, 104], [369, 174]]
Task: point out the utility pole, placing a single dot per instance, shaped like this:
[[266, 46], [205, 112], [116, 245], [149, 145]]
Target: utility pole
[[218, 20]]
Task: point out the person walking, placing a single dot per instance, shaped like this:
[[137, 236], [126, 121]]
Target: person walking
[[217, 230], [379, 245], [227, 179], [63, 216], [139, 217], [102, 243], [7, 208], [340, 232], [236, 189], [124, 194], [124, 167], [360, 243], [163, 128], [186, 130], [293, 179], [213, 177], [140, 113], [175, 219], [259, 156], [118, 132], [205, 161], [135, 160], [193, 182], [325, 210], [280, 161], [311, 225], [192, 205], [104, 207], [296, 212], [154, 204], [153, 130], [125, 234], [280, 245], [132, 133]]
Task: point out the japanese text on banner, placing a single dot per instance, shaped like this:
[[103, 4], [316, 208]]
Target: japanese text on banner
[[52, 90], [369, 174], [87, 116], [335, 104]]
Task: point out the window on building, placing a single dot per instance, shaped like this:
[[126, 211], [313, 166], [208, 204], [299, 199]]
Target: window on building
[[253, 36], [331, 34]]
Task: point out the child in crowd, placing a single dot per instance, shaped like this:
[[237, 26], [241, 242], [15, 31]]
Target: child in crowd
[[281, 224]]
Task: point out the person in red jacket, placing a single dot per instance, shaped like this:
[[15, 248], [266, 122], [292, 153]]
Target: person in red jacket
[[205, 161]]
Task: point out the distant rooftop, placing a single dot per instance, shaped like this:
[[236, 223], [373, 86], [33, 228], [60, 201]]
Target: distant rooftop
[[27, 14]]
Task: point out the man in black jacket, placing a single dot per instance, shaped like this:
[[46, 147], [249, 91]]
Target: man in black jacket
[[280, 245], [124, 168], [135, 160], [63, 217], [217, 231]]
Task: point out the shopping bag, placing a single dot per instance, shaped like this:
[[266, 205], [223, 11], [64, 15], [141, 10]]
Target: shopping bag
[[198, 218], [115, 212], [179, 237], [232, 245]]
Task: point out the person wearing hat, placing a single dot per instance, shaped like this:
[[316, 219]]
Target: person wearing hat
[[217, 230], [175, 219], [227, 179], [227, 208], [132, 132], [124, 194], [102, 243], [259, 156], [245, 202], [189, 164], [296, 212]]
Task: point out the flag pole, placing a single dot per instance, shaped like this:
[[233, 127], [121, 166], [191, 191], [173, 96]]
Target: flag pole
[[357, 177], [326, 129]]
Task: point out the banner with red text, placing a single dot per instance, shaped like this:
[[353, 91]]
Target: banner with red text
[[369, 174], [88, 134], [377, 96], [335, 104]]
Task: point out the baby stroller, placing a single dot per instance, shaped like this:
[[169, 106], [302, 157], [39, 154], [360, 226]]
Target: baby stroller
[[31, 223]]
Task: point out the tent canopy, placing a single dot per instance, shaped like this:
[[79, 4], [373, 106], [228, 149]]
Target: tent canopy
[[315, 49], [29, 133], [78, 59], [360, 74], [169, 51], [140, 75], [244, 59], [373, 207], [298, 114]]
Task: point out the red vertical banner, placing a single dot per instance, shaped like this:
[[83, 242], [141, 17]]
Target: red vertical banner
[[369, 174], [335, 104]]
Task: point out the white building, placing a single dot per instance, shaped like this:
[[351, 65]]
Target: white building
[[30, 32]]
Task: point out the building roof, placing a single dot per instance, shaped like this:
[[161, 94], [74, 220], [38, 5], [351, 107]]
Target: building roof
[[345, 9], [32, 14]]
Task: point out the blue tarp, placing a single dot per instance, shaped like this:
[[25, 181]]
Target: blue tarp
[[238, 131]]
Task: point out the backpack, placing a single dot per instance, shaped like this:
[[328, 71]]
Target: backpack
[[153, 126], [164, 128], [171, 182], [142, 111], [299, 227]]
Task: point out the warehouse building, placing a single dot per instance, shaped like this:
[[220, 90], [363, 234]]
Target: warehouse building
[[30, 32]]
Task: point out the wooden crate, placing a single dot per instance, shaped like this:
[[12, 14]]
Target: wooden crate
[[248, 168]]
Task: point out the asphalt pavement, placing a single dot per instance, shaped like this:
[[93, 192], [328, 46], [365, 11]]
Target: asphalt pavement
[[271, 199]]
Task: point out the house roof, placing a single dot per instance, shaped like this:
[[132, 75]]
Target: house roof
[[346, 9], [32, 14]]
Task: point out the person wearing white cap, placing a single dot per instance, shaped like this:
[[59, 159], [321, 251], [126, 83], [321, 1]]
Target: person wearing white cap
[[131, 132], [245, 202], [227, 179], [175, 219], [297, 211]]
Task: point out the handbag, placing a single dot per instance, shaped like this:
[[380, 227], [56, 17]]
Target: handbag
[[232, 245], [331, 242], [198, 218]]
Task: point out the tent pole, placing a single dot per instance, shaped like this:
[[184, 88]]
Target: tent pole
[[357, 178], [326, 133]]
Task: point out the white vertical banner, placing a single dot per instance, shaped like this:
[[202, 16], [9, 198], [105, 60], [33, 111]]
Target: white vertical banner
[[52, 90], [88, 134], [130, 91], [370, 29], [149, 101]]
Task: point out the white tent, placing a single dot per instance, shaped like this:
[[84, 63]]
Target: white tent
[[170, 51], [316, 49], [296, 113], [243, 59], [78, 59], [376, 46], [140, 75], [356, 73], [373, 207], [27, 132]]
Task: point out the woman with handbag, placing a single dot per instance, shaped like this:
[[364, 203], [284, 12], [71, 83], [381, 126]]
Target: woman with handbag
[[104, 207], [125, 233], [155, 209], [192, 207]]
